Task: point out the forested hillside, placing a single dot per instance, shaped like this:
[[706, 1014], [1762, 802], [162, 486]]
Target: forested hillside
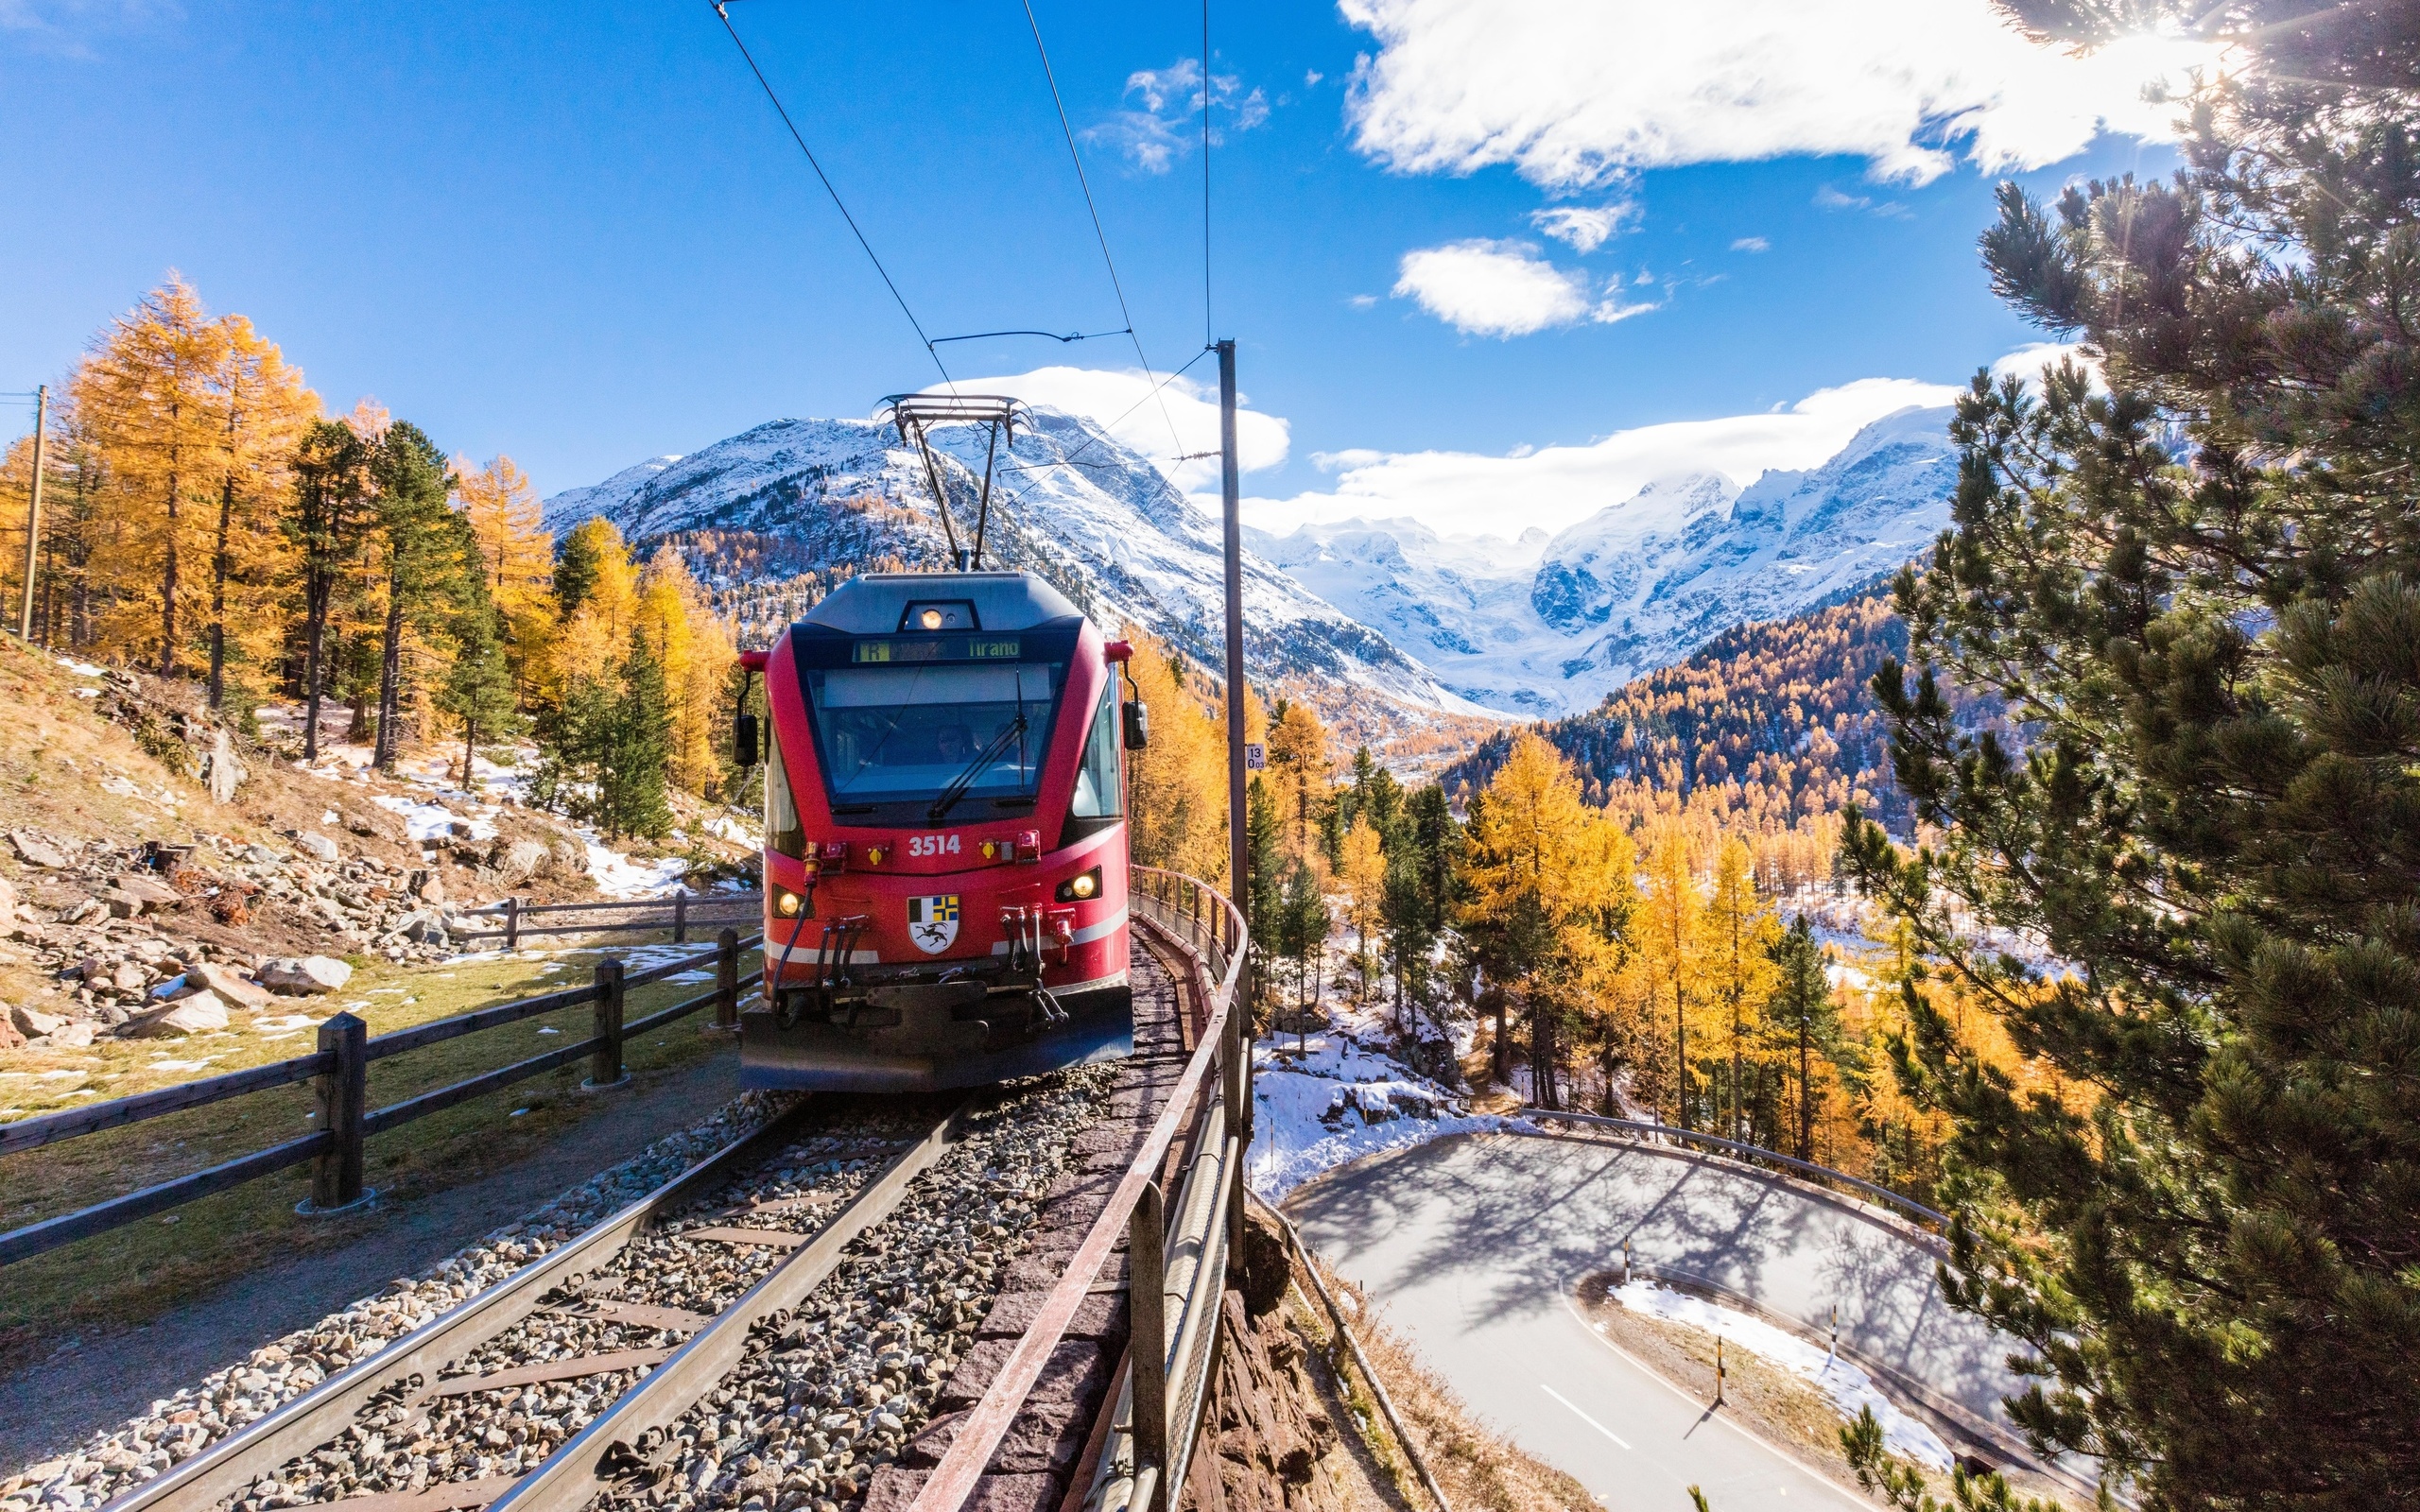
[[205, 518], [1768, 729]]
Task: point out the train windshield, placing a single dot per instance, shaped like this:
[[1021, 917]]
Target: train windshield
[[894, 733]]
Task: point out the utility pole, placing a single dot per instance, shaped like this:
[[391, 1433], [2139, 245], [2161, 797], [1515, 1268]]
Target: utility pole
[[33, 517], [1239, 845]]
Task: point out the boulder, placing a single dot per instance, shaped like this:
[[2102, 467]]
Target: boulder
[[151, 889], [315, 844], [419, 926], [12, 1037], [71, 1036], [36, 849], [521, 860], [261, 856], [431, 891], [201, 1013], [231, 984], [305, 976], [7, 902], [121, 905], [33, 1023], [128, 977]]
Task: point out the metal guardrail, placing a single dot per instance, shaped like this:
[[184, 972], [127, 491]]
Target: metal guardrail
[[681, 905], [1179, 1255], [339, 1072], [1748, 1152]]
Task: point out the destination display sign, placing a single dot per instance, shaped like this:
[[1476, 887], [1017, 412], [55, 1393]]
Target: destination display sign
[[912, 648]]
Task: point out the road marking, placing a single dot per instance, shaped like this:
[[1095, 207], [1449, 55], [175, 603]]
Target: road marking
[[1584, 1416]]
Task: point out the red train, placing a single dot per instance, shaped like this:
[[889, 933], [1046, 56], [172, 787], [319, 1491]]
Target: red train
[[944, 838]]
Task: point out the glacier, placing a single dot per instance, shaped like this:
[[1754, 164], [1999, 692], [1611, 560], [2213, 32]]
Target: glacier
[[1538, 627]]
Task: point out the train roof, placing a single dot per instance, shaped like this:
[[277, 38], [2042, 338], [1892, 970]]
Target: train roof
[[878, 603]]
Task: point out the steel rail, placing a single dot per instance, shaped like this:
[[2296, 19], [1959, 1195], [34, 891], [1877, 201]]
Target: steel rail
[[1156, 1418], [589, 1462], [322, 1413], [979, 1434]]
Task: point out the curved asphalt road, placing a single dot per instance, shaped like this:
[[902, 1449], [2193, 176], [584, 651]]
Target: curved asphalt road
[[1474, 1244]]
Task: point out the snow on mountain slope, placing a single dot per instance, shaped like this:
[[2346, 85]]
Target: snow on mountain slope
[[1541, 628], [1098, 520]]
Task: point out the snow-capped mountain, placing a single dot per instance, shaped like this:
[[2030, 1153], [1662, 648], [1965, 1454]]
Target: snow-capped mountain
[[1540, 627], [1068, 502]]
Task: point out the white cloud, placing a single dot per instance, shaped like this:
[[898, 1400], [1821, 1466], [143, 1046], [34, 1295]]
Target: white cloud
[[1584, 227], [1169, 124], [1464, 492], [1120, 401], [1751, 244], [1613, 311], [1492, 288], [1578, 95]]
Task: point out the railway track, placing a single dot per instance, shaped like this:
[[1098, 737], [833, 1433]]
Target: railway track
[[764, 1332]]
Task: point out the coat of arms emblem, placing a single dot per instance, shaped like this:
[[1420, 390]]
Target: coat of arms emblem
[[932, 921]]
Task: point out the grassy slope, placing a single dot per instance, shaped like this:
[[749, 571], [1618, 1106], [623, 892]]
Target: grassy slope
[[65, 771]]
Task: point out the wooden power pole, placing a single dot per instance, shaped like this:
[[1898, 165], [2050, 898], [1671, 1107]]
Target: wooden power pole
[[33, 516]]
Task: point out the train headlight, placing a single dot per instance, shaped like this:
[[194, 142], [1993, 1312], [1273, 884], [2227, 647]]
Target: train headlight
[[930, 619], [1080, 887], [786, 902]]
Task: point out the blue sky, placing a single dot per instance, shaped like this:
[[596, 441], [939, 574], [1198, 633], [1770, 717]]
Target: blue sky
[[578, 234]]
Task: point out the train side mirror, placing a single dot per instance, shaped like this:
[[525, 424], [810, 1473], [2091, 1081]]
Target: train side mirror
[[743, 740], [1138, 724]]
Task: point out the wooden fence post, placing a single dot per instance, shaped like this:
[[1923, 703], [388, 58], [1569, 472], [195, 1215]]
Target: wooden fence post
[[605, 1061], [512, 924], [342, 1097], [727, 980], [1146, 1304], [681, 917]]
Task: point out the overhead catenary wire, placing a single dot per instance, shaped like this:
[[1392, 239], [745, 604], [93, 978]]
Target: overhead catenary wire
[[724, 16], [1050, 78], [1048, 335]]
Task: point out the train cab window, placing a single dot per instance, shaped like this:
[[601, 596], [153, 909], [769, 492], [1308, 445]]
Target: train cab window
[[783, 834], [893, 734], [1098, 791]]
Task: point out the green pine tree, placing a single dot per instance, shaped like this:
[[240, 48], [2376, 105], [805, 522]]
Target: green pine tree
[[478, 688], [424, 542], [637, 741], [2198, 595], [1802, 1017]]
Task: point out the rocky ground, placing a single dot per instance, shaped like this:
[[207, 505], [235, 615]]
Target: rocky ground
[[119, 933]]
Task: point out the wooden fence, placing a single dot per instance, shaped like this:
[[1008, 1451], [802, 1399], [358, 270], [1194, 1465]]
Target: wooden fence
[[339, 1072], [687, 910]]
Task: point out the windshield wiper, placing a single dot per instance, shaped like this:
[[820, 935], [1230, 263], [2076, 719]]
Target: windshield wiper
[[984, 758]]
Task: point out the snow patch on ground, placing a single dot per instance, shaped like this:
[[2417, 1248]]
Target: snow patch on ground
[[618, 876], [1336, 1099], [433, 821], [1849, 1388]]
